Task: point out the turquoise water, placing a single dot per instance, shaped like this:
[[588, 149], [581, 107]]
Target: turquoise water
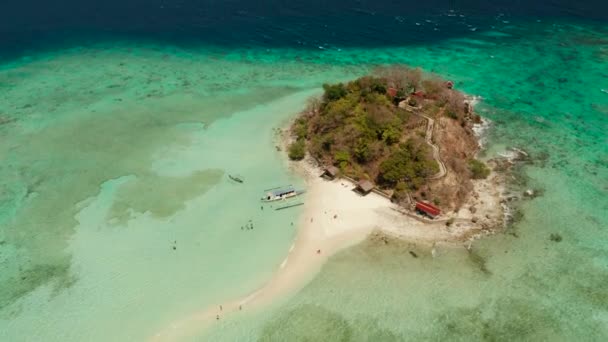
[[541, 86], [114, 154]]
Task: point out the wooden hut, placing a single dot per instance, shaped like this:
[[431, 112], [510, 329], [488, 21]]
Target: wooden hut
[[364, 187], [427, 209], [331, 172]]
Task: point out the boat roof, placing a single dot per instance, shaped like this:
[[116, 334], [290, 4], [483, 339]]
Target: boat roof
[[281, 190], [428, 208]]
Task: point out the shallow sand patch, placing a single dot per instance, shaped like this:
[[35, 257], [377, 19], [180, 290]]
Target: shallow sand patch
[[336, 217]]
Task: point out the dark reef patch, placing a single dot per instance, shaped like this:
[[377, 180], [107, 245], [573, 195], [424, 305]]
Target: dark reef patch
[[30, 278], [310, 322], [509, 319], [479, 261]]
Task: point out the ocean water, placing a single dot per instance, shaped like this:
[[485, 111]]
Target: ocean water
[[541, 85], [117, 217]]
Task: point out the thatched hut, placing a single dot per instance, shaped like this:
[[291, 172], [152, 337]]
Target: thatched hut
[[364, 187], [331, 172]]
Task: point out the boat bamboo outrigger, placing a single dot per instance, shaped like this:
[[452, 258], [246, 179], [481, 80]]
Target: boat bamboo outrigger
[[281, 193], [290, 206]]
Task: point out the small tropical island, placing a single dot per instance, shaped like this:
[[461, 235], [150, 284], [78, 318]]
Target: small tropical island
[[405, 134], [371, 151]]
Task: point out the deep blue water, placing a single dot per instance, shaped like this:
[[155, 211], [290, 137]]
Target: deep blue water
[[28, 25]]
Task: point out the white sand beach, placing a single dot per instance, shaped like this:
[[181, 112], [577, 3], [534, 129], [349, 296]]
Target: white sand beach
[[336, 217]]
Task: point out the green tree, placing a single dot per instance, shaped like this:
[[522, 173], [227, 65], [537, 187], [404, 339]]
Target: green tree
[[362, 151], [408, 164], [333, 92], [300, 128], [342, 158], [391, 135], [297, 150], [478, 169]]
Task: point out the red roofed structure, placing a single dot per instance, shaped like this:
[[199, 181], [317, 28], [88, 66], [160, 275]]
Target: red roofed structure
[[419, 93], [428, 209]]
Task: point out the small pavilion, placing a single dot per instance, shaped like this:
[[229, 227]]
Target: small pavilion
[[364, 187], [331, 172]]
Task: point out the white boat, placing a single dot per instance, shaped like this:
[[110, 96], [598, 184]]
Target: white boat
[[281, 194]]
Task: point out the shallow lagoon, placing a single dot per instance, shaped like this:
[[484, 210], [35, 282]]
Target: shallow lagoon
[[88, 243]]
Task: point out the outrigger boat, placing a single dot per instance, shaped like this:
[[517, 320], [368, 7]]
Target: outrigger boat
[[289, 206], [235, 178], [281, 193]]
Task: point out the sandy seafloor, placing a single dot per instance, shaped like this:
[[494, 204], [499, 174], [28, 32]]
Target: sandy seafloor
[[114, 153]]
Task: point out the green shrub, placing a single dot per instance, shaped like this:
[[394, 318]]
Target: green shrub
[[334, 92], [400, 192], [377, 98], [391, 135], [478, 169], [297, 150], [451, 114], [342, 156], [409, 164], [300, 128], [362, 151]]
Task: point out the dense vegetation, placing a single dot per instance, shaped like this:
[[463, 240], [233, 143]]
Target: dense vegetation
[[359, 127], [297, 150], [478, 169]]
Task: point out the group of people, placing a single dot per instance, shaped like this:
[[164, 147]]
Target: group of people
[[247, 226], [217, 317]]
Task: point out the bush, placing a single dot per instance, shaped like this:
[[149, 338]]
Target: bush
[[361, 151], [297, 150], [300, 128], [333, 92], [342, 158], [451, 114], [391, 135], [478, 169], [400, 192], [408, 164]]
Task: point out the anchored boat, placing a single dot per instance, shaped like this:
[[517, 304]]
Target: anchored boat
[[236, 178], [281, 193]]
